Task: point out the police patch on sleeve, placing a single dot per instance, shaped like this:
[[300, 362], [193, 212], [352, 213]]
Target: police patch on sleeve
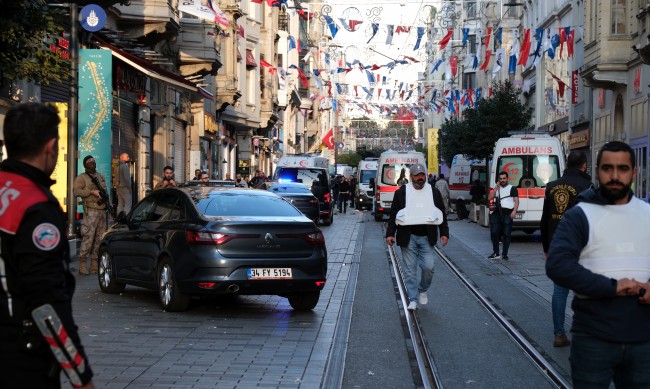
[[46, 236]]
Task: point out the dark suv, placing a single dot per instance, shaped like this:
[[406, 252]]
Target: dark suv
[[317, 180]]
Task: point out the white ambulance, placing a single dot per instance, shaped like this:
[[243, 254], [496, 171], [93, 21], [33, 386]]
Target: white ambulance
[[392, 170], [531, 161], [462, 174], [366, 171]]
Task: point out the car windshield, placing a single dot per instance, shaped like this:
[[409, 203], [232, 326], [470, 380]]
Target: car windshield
[[285, 188], [245, 204]]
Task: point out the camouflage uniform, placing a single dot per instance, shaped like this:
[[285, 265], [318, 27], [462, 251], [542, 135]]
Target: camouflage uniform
[[93, 225]]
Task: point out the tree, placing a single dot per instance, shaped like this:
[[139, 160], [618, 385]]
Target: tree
[[27, 28], [481, 127], [348, 159]]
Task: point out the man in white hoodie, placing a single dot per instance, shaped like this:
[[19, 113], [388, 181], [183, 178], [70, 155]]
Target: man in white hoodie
[[416, 215]]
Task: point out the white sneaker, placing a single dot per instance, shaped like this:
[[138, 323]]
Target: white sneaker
[[423, 298], [412, 306]]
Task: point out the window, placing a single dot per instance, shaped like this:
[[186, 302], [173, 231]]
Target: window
[[471, 44], [530, 170], [141, 213], [469, 80], [470, 9], [224, 204], [167, 208], [251, 80], [618, 17]]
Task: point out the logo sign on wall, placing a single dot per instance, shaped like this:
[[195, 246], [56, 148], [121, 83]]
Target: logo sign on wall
[[340, 145], [92, 17]]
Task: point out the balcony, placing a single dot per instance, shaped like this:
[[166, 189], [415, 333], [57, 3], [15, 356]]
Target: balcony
[[150, 21], [198, 48]]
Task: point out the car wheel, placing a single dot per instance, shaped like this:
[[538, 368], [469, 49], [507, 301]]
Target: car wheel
[[171, 298], [329, 220], [106, 273], [304, 301]]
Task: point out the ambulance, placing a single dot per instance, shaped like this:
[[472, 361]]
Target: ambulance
[[392, 169], [366, 171], [531, 161], [313, 171], [462, 174]]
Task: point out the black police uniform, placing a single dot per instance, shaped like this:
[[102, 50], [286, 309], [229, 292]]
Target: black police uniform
[[34, 270]]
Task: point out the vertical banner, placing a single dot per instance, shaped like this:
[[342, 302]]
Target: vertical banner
[[60, 174], [432, 146], [95, 109], [574, 87]]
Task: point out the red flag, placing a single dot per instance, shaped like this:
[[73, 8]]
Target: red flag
[[443, 42], [303, 78], [354, 23], [453, 62], [486, 38], [355, 91], [328, 139], [569, 43], [411, 59], [525, 48], [403, 29], [256, 1], [488, 53], [562, 40]]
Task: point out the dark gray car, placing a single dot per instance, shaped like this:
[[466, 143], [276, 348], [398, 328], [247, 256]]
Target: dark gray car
[[196, 241]]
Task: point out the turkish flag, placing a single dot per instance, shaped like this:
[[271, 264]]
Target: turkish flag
[[453, 62], [328, 139]]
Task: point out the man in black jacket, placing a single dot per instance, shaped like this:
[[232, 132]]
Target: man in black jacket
[[561, 195], [416, 216], [34, 254]]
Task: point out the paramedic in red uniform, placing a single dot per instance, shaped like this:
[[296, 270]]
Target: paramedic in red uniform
[[34, 254]]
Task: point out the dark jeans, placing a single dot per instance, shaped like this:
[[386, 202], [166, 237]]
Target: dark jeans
[[343, 202], [596, 363], [500, 224]]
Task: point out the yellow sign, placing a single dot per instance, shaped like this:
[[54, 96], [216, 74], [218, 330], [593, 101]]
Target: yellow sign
[[432, 145], [60, 188]]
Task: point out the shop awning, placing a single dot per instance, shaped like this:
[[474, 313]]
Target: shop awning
[[250, 58], [147, 67]]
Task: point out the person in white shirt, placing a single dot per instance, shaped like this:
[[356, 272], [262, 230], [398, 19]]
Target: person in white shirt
[[506, 200], [443, 187], [416, 216]]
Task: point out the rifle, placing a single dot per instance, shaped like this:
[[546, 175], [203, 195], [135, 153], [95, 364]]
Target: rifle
[[103, 196]]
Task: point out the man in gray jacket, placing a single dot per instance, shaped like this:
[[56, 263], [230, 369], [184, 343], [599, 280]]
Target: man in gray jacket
[[123, 185]]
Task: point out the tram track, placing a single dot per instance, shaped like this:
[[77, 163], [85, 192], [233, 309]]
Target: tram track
[[426, 364]]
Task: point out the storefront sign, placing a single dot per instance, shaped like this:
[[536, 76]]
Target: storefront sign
[[210, 123], [61, 47], [579, 140], [127, 78], [432, 146]]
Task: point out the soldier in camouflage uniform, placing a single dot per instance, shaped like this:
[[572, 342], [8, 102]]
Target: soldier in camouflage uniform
[[93, 225]]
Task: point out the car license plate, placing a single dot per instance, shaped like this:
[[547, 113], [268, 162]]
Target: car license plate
[[269, 273], [519, 216]]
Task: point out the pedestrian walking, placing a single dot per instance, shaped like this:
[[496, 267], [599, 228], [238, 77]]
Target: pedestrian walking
[[443, 187], [561, 195], [477, 191], [123, 185], [601, 251], [506, 201], [353, 190], [416, 216], [35, 258], [344, 195], [168, 179], [93, 225]]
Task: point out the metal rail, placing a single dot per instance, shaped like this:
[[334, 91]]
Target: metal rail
[[426, 364], [540, 362]]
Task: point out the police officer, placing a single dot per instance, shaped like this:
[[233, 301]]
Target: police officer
[[93, 225], [34, 255]]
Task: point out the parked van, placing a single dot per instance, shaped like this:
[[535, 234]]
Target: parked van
[[532, 161], [313, 171], [366, 171], [392, 169], [462, 174]]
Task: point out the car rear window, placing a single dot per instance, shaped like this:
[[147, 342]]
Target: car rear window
[[242, 204], [282, 188], [308, 176]]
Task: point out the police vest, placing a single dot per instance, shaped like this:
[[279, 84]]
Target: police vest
[[17, 194]]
